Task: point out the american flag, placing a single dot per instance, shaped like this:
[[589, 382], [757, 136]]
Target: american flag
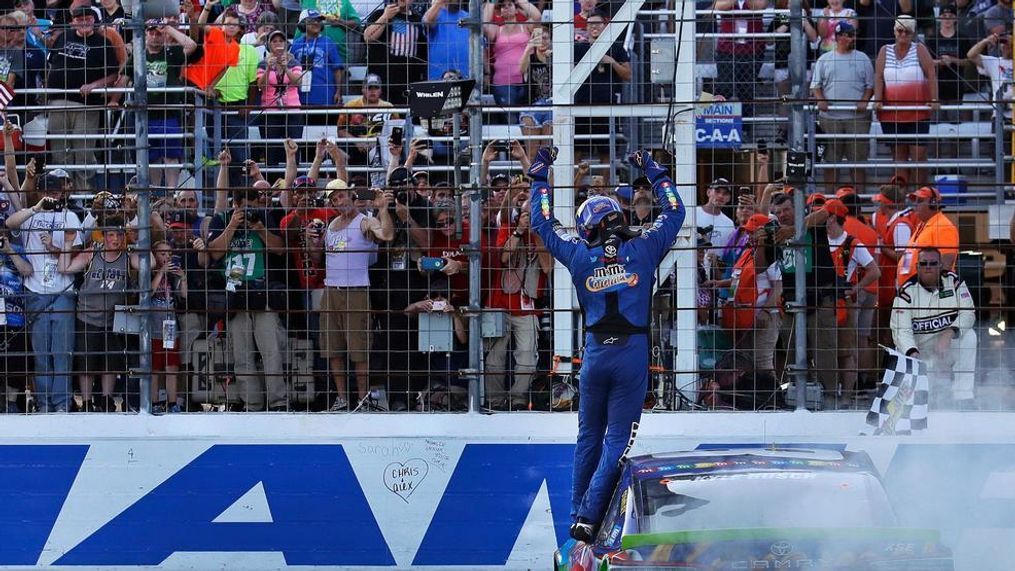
[[900, 406], [404, 37], [6, 96]]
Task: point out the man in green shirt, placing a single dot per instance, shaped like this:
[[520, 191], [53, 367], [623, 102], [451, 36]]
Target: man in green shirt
[[240, 241]]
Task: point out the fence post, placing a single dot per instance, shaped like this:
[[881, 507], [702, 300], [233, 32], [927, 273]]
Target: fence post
[[144, 209], [798, 77], [999, 105]]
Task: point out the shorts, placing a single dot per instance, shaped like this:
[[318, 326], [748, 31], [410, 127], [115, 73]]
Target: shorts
[[913, 128], [98, 351], [345, 323], [539, 118], [158, 148], [854, 149], [163, 358]]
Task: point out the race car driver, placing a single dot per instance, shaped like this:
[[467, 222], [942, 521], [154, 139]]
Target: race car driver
[[613, 270], [932, 320]]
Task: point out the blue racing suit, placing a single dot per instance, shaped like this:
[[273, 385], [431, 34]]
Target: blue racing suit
[[615, 296]]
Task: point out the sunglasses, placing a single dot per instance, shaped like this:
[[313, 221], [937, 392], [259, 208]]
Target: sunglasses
[[928, 264], [902, 31], [444, 223]]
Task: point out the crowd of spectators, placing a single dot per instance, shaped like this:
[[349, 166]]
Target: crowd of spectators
[[364, 253]]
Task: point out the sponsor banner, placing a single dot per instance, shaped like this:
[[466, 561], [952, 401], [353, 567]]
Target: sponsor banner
[[719, 125], [270, 491]]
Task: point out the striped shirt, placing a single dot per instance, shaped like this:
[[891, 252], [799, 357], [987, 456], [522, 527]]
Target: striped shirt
[[905, 84]]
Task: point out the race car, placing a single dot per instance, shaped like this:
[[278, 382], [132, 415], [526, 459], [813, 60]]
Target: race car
[[753, 509]]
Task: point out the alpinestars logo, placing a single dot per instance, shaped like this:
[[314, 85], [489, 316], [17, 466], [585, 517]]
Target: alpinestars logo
[[613, 276]]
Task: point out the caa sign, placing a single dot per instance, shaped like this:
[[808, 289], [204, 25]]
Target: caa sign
[[719, 125], [410, 503]]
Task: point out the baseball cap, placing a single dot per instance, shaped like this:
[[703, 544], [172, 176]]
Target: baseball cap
[[756, 221], [304, 182], [337, 184], [641, 182], [421, 174], [500, 177], [835, 207], [947, 9], [889, 194], [309, 15], [59, 173], [277, 33], [817, 199], [721, 183], [399, 177], [925, 192], [51, 182], [84, 11], [373, 79], [178, 219], [844, 27]]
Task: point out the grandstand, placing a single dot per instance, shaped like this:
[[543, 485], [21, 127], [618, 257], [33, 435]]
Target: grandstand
[[180, 187]]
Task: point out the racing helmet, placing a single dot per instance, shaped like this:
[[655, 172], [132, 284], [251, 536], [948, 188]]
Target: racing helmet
[[591, 212]]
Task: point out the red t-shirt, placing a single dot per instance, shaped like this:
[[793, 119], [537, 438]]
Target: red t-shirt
[[311, 273], [515, 303], [450, 247]]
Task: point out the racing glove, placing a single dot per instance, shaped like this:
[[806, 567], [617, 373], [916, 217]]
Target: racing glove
[[540, 168], [643, 160]]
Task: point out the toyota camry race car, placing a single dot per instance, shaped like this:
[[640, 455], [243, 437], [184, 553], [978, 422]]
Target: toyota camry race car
[[753, 509]]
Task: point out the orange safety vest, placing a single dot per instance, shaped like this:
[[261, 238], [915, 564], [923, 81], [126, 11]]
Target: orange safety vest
[[738, 314], [842, 255], [889, 267], [938, 232]]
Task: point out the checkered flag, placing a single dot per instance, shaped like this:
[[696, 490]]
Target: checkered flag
[[900, 406]]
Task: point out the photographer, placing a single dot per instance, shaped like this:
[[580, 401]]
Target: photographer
[[520, 276], [820, 285], [278, 78], [206, 290], [46, 229], [169, 284], [857, 272], [241, 241], [15, 354], [752, 314]]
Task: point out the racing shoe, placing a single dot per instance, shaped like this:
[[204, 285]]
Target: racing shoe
[[582, 530], [540, 167]]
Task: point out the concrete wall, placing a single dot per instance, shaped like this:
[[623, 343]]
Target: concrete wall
[[264, 491]]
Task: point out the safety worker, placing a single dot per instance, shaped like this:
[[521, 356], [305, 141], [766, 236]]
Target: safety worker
[[857, 271], [613, 270], [933, 230]]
